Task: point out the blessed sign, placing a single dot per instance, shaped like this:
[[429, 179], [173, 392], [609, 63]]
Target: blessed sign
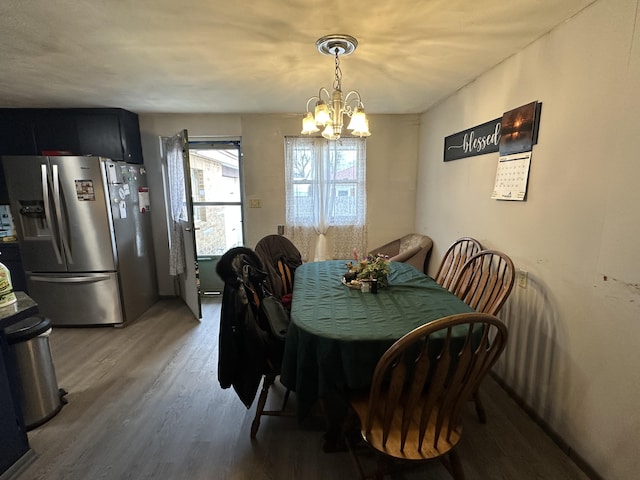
[[478, 140]]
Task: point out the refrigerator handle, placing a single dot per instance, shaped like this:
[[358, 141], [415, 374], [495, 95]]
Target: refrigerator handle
[[47, 211], [91, 279], [57, 204]]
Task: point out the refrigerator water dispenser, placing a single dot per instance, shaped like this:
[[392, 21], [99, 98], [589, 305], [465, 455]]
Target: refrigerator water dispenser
[[32, 219]]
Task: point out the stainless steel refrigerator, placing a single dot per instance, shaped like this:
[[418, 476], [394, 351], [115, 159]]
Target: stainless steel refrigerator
[[84, 227]]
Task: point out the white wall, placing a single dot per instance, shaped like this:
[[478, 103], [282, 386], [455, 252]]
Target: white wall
[[392, 157], [574, 353]]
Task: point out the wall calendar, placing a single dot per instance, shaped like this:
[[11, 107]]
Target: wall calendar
[[512, 176]]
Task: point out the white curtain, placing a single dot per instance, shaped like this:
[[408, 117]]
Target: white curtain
[[173, 149], [326, 196]]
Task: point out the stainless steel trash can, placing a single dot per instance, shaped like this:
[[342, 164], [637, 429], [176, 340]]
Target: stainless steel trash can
[[40, 397]]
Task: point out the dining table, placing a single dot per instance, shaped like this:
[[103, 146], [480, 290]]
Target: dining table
[[337, 333]]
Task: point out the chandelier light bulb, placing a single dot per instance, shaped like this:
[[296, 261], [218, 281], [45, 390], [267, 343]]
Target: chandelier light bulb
[[309, 124], [322, 114], [364, 132], [359, 125], [329, 134]]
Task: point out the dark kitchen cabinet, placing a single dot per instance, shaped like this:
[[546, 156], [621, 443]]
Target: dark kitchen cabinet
[[101, 133], [55, 131], [130, 137], [4, 193], [16, 132], [14, 437], [107, 132]]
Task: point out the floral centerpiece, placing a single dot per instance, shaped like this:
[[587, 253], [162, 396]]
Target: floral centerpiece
[[369, 268]]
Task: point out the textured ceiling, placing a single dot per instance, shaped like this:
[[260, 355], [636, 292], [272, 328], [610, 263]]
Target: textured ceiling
[[214, 56]]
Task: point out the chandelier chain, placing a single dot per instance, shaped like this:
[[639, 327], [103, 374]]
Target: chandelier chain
[[337, 82]]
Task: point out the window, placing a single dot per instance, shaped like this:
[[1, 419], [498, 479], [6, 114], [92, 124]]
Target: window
[[325, 182], [326, 191]]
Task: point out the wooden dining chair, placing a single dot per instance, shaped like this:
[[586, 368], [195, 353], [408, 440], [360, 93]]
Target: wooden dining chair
[[274, 354], [455, 257], [419, 386], [280, 258], [484, 283], [249, 352]]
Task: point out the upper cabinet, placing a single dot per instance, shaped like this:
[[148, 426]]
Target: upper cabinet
[[16, 132], [107, 132]]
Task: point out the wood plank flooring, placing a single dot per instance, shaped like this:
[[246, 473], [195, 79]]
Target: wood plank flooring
[[145, 403]]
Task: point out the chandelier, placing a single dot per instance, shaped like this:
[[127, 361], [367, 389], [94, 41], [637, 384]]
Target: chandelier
[[330, 110]]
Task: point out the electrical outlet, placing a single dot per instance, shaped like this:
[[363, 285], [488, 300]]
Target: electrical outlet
[[255, 203], [522, 278]]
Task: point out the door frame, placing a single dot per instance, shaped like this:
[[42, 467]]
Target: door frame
[[209, 143]]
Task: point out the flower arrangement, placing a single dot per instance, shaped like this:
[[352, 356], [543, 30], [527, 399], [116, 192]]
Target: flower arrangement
[[370, 267]]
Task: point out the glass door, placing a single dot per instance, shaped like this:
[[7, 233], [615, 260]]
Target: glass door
[[216, 185]]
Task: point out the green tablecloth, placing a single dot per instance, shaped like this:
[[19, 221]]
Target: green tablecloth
[[338, 334]]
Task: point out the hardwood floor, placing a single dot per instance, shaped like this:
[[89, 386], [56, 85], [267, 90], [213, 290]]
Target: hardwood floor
[[145, 403]]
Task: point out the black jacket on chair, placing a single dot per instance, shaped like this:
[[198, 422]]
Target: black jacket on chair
[[246, 349]]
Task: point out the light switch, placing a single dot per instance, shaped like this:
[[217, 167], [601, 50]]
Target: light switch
[[522, 278], [255, 203]]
